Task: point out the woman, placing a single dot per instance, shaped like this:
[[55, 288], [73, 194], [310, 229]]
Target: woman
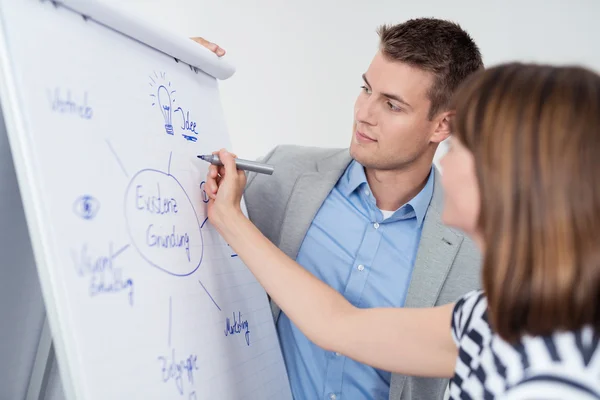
[[522, 178]]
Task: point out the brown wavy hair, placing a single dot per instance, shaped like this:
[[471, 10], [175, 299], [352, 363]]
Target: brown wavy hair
[[534, 131]]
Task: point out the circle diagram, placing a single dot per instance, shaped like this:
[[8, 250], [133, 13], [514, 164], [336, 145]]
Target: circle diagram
[[162, 222]]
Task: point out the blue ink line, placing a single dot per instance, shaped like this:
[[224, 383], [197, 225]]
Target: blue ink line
[[169, 168], [213, 300], [122, 249], [117, 157], [152, 95], [233, 255], [155, 74], [170, 318], [190, 138], [152, 79], [201, 226]]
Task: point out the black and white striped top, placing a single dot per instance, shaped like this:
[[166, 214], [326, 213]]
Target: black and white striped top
[[565, 365]]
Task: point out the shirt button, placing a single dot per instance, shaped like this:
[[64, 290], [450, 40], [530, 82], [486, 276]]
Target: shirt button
[[376, 225], [367, 192], [332, 396], [338, 354], [360, 267]]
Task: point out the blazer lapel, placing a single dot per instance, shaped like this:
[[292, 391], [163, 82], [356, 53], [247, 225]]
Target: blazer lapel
[[437, 249], [309, 192]]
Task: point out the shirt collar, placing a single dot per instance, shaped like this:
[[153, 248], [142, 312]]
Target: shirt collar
[[355, 177], [420, 202]]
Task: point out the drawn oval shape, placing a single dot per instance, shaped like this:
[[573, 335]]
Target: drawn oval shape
[[86, 207], [203, 192], [162, 223]]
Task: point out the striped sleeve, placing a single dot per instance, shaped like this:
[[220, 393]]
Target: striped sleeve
[[552, 386], [463, 313]]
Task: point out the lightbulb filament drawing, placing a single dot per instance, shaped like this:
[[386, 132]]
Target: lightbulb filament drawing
[[163, 97]]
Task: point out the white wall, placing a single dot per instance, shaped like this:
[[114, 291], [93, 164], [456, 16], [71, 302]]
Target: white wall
[[299, 63]]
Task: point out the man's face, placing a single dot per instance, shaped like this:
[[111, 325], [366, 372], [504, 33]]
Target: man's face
[[391, 125]]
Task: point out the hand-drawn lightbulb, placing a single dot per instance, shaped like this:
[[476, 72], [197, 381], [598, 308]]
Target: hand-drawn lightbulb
[[164, 102]]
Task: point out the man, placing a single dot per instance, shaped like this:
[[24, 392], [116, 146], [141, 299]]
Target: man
[[366, 220]]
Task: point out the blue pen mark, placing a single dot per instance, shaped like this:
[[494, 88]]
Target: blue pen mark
[[169, 167], [213, 300], [189, 138], [173, 369], [66, 104], [205, 198], [122, 249], [164, 97], [238, 325], [170, 318], [204, 222], [164, 102], [86, 207], [104, 275], [173, 245], [170, 240], [117, 158], [233, 255], [192, 396], [187, 125]]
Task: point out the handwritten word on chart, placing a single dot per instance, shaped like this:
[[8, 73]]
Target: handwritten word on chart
[[238, 325], [163, 97], [176, 370], [104, 276], [162, 222], [187, 125], [65, 103]]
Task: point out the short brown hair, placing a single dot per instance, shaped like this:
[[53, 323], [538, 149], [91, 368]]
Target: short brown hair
[[437, 46], [534, 132]]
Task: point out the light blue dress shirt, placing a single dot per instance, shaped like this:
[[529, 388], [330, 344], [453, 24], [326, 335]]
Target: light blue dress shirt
[[369, 261]]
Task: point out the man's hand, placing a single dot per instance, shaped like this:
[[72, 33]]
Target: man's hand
[[210, 45]]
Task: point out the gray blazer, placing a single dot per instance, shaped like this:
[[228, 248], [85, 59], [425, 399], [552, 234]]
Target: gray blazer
[[283, 206]]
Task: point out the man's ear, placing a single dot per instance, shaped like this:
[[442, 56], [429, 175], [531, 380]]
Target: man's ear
[[442, 128]]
